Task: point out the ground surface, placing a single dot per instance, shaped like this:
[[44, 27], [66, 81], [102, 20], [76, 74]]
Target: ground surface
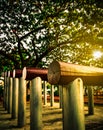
[[52, 118]]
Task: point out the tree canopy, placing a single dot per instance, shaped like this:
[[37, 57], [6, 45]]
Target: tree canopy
[[33, 33]]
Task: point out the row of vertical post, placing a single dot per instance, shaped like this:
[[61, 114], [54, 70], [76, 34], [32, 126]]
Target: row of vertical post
[[15, 99], [52, 96], [15, 102]]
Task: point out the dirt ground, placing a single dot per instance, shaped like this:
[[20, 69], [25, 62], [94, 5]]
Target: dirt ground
[[52, 118]]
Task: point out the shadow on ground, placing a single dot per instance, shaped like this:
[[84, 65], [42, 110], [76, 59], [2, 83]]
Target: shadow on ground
[[52, 119]]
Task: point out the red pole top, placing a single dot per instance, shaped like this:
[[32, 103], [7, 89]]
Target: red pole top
[[30, 73], [10, 74], [17, 73]]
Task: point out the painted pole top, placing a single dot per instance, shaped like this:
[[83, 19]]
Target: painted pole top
[[10, 74], [17, 73], [63, 73], [30, 73]]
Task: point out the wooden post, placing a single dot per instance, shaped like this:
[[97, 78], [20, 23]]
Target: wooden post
[[73, 108], [52, 96], [60, 96], [15, 98], [45, 92], [22, 103], [36, 104], [10, 95], [63, 73], [90, 100]]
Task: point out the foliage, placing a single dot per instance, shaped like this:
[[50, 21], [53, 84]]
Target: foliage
[[33, 33]]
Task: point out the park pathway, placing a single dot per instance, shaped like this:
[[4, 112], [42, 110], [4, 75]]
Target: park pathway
[[52, 118]]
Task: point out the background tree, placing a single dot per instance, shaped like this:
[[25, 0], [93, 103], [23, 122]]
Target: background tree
[[33, 33]]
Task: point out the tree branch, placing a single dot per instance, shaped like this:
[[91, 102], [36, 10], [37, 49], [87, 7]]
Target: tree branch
[[19, 48], [31, 32]]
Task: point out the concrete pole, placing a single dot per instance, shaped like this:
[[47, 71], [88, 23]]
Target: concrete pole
[[36, 104], [4, 96], [22, 103], [52, 96], [60, 95], [90, 100], [45, 92], [15, 98], [8, 108], [10, 95], [7, 87], [73, 107]]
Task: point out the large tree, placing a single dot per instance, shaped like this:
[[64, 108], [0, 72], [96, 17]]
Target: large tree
[[33, 33]]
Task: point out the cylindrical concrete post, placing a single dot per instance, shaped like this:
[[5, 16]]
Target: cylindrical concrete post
[[10, 95], [52, 96], [4, 96], [45, 92], [36, 104], [60, 95], [22, 102], [90, 100], [15, 98], [7, 88], [73, 107]]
